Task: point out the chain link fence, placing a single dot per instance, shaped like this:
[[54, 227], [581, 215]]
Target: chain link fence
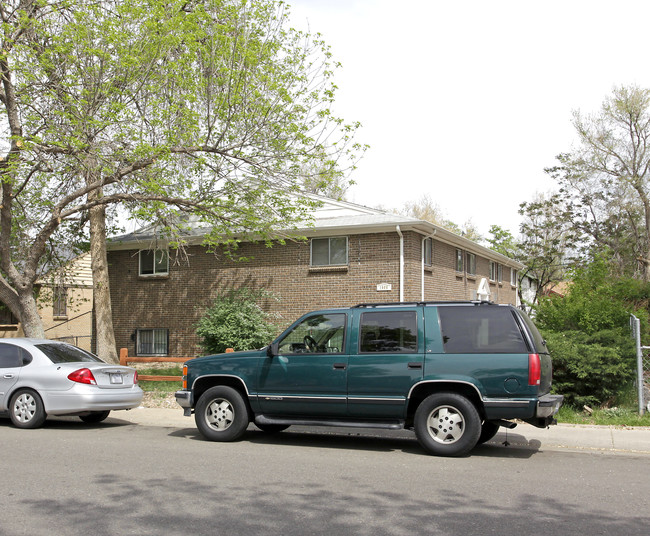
[[643, 366]]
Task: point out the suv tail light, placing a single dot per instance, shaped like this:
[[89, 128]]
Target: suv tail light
[[184, 376], [534, 369], [83, 375]]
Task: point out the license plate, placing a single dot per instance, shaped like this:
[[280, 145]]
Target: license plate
[[116, 378]]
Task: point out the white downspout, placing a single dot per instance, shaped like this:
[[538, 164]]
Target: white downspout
[[401, 264], [424, 239]]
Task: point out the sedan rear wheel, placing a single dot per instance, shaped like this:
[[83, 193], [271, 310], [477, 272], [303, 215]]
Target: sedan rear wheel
[[95, 416], [221, 414], [26, 409]]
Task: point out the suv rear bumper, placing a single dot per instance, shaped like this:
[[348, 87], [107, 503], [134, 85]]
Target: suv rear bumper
[[548, 405], [547, 408]]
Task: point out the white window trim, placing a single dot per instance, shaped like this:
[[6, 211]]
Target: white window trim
[[329, 238], [460, 269], [469, 255], [154, 274], [493, 271], [137, 342]]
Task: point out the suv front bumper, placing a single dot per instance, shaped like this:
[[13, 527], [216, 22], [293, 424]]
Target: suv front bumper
[[184, 400]]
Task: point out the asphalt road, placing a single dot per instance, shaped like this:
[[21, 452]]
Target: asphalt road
[[118, 478]]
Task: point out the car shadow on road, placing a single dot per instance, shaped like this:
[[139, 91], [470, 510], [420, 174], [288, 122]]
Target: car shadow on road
[[516, 447]]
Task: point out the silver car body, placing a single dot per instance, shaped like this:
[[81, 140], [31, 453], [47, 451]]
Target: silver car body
[[62, 396]]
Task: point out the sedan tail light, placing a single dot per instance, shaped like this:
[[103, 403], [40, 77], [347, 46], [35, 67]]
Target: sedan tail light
[[83, 375], [534, 369], [135, 378]]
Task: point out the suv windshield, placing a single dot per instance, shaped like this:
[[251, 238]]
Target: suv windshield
[[65, 353]]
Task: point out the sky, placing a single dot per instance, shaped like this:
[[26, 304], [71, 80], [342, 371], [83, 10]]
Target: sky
[[468, 102]]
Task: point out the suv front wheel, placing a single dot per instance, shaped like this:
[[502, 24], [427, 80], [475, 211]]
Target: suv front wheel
[[447, 424], [221, 414]]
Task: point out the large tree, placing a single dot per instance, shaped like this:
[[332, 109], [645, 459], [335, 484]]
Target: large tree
[[427, 209], [606, 178], [546, 244], [210, 108]]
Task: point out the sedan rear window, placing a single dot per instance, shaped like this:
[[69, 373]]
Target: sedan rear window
[[64, 353]]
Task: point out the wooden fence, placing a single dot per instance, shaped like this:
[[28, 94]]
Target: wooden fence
[[125, 359]]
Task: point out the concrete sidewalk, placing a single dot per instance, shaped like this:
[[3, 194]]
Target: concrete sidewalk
[[561, 436]]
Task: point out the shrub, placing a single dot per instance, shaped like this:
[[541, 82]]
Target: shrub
[[236, 321], [587, 332]]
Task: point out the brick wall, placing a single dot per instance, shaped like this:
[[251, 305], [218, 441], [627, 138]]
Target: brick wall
[[176, 301]]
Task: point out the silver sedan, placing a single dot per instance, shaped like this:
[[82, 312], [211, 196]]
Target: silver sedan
[[42, 377]]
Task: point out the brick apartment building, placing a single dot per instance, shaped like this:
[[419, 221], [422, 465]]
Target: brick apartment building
[[353, 255]]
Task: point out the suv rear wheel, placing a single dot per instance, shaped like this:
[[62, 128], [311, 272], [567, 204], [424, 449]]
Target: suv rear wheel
[[447, 424]]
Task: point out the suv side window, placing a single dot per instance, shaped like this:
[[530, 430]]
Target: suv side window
[[388, 331], [323, 333], [480, 329], [13, 356]]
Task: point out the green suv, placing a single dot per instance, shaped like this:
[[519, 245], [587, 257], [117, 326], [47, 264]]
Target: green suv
[[454, 372]]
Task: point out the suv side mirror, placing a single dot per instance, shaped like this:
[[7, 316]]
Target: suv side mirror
[[272, 349]]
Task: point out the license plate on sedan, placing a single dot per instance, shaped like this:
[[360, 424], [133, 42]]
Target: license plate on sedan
[[117, 378]]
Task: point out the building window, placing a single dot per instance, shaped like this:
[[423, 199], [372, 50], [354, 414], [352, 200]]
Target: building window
[[428, 251], [513, 277], [154, 342], [60, 301], [6, 316], [493, 271], [459, 260], [471, 264], [329, 251], [499, 273], [154, 262]]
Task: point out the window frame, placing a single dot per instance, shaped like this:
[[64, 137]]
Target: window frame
[[153, 252], [470, 263], [329, 251], [304, 351], [460, 260], [415, 318], [427, 251], [513, 277], [138, 333], [493, 271], [60, 301]]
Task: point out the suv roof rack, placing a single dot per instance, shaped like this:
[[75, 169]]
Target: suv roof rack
[[419, 303]]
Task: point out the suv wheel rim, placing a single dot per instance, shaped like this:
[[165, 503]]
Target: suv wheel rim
[[445, 424], [219, 414], [24, 408]]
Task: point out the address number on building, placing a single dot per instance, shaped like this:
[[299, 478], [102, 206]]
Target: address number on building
[[384, 286]]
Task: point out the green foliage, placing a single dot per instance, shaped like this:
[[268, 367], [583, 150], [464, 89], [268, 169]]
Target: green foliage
[[616, 416], [235, 321], [185, 114], [502, 241], [587, 332]]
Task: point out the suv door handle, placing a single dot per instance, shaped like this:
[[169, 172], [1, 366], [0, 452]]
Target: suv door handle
[[339, 366], [415, 365], [8, 376]]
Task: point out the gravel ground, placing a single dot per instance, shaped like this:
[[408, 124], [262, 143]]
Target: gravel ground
[[159, 400]]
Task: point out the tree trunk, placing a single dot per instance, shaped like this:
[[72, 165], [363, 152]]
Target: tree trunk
[[29, 318], [106, 349]]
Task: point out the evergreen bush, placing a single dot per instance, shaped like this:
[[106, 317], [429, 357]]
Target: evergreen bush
[[235, 320], [588, 334]]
